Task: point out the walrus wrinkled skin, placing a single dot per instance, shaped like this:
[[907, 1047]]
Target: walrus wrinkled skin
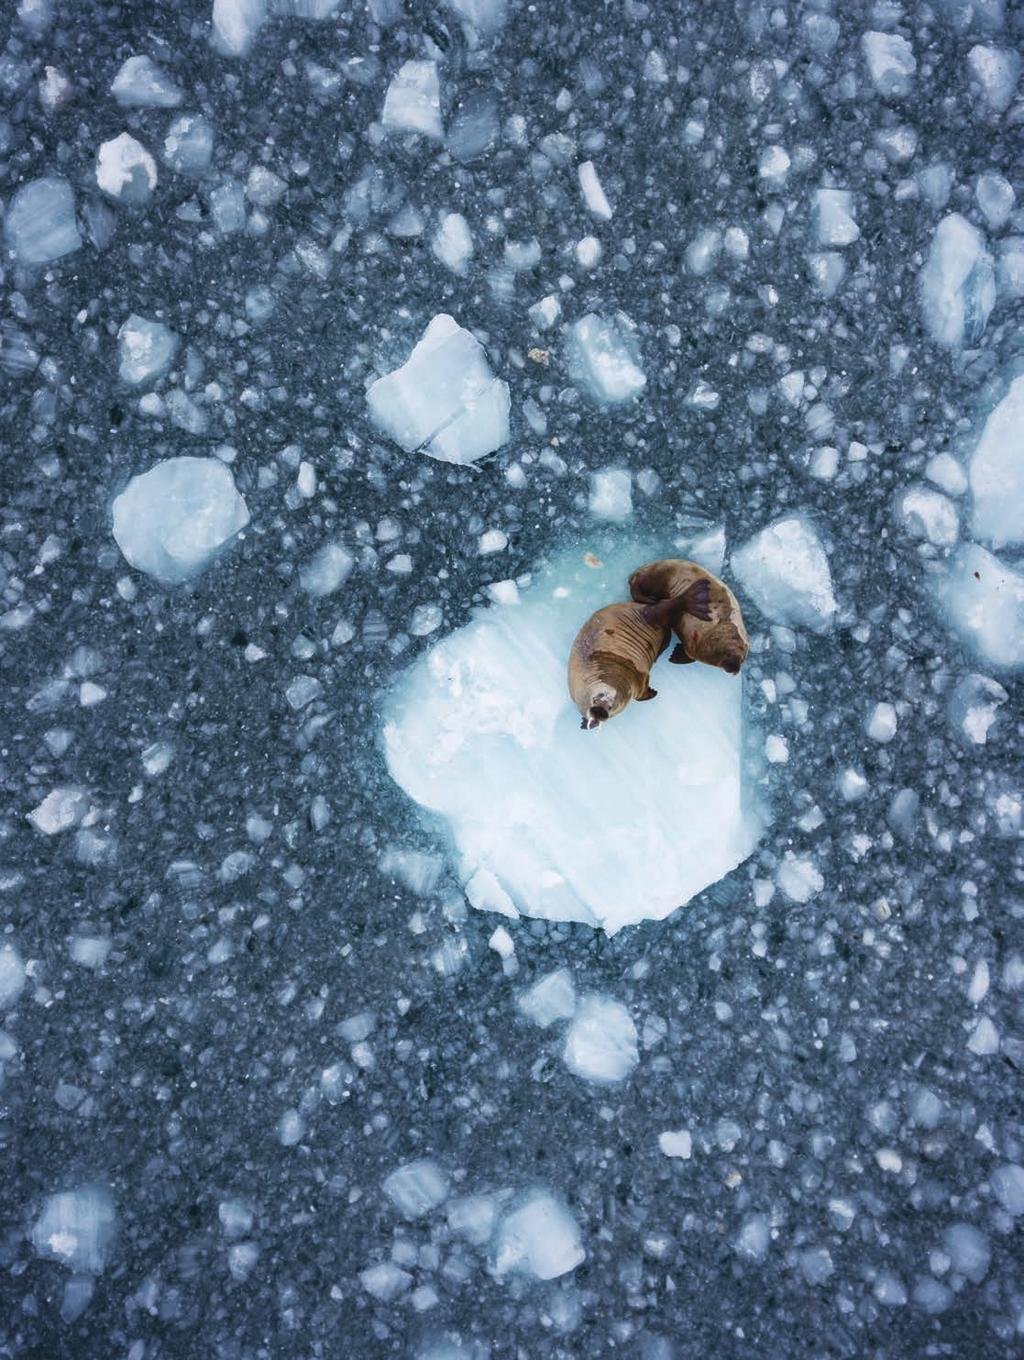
[[720, 640], [611, 659]]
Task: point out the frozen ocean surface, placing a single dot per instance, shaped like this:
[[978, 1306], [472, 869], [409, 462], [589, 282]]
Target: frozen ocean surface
[[353, 1002]]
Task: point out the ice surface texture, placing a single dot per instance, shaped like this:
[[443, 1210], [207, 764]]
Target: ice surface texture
[[608, 828]]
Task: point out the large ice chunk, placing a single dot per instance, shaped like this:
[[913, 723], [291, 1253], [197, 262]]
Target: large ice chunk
[[784, 570], [601, 1043], [603, 358], [539, 1237], [444, 399], [608, 827], [997, 70], [141, 84], [76, 1227], [144, 349], [983, 601], [958, 283], [172, 521], [413, 100], [236, 24], [40, 223], [891, 62], [997, 472]]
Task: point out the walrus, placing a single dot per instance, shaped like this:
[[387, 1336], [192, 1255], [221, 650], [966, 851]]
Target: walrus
[[718, 639], [611, 659]]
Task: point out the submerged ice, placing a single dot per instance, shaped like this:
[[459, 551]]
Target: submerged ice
[[607, 828]]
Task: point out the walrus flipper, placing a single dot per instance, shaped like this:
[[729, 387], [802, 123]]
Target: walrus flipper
[[678, 656], [667, 613], [647, 694]]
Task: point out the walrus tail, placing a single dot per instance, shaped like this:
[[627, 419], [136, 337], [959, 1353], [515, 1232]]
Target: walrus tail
[[667, 613]]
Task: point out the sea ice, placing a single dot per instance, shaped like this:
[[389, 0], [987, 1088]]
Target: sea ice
[[974, 707], [145, 350], [997, 70], [603, 358], [891, 63], [611, 493], [40, 223], [968, 1250], [997, 473], [1008, 1187], [928, 514], [551, 998], [188, 146], [327, 570], [141, 84], [486, 16], [601, 1043], [416, 1188], [76, 1227], [983, 600], [833, 212], [236, 24], [608, 828], [958, 284], [593, 193], [125, 170], [444, 399], [784, 569], [539, 1237], [172, 521], [61, 809], [12, 976], [385, 1281], [413, 100], [995, 198], [453, 242]]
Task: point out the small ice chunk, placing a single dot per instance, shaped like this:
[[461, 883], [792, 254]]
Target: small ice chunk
[[957, 283], [236, 24], [12, 976], [326, 571], [485, 16], [172, 521], [928, 514], [611, 493], [76, 1227], [444, 399], [551, 998], [603, 358], [995, 198], [61, 809], [601, 1045], [588, 251], [997, 70], [416, 1188], [785, 571], [997, 472], [702, 252], [983, 601], [1007, 1183], [385, 1281], [944, 470], [773, 165], [833, 214], [827, 270], [890, 61], [881, 723], [141, 84], [545, 313], [453, 242], [593, 194], [973, 707], [413, 100], [539, 1237], [753, 1238], [89, 951], [145, 350], [125, 170], [227, 207], [984, 1040], [475, 127], [188, 146], [799, 879], [676, 1143], [968, 1250], [473, 1217], [263, 187], [40, 223], [1011, 267]]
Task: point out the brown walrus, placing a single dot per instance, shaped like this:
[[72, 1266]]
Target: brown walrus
[[718, 639], [611, 659]]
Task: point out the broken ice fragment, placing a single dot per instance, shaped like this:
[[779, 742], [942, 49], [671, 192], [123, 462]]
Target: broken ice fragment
[[928, 514], [413, 100], [416, 1188], [593, 193], [974, 705], [61, 809], [385, 1281], [236, 24], [12, 976], [145, 350], [997, 70], [611, 494], [834, 217], [172, 521], [983, 601], [997, 472], [890, 61], [957, 282], [1007, 1183], [601, 1044], [444, 399], [995, 198], [799, 879], [486, 16], [551, 998], [188, 146], [125, 170], [784, 570], [603, 358], [141, 84], [327, 570], [76, 1227], [40, 223], [540, 1238], [453, 243]]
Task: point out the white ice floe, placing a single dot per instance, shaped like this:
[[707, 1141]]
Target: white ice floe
[[833, 215], [12, 976], [61, 809], [928, 514], [997, 70], [416, 1188], [236, 24], [172, 521], [188, 146], [327, 570], [974, 707], [413, 100], [601, 1045], [593, 194], [125, 170], [538, 1237], [444, 400], [141, 84], [453, 242], [890, 61], [607, 827], [144, 350], [982, 599], [997, 473], [40, 224], [957, 283], [603, 358], [784, 569], [551, 998], [77, 1228], [611, 493]]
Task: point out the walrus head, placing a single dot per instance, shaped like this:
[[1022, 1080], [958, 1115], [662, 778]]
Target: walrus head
[[721, 645], [602, 705], [595, 715]]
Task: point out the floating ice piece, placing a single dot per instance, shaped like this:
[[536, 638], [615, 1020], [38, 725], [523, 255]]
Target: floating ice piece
[[453, 242], [799, 879], [983, 601], [486, 16], [827, 270], [40, 223], [601, 1043], [1011, 266], [928, 514], [881, 723], [551, 998], [974, 705], [833, 214], [145, 350], [172, 521], [540, 1238], [753, 1238], [593, 194], [12, 976], [784, 569], [61, 809], [891, 63], [188, 146], [997, 472], [968, 1250], [327, 570], [227, 206], [676, 1143], [958, 283], [702, 252], [944, 470], [413, 100], [306, 9], [444, 399], [603, 358], [473, 1217], [141, 84], [475, 127], [236, 24], [125, 170], [416, 1188], [611, 493], [608, 828], [385, 1281], [1007, 1183], [76, 1227], [995, 198], [997, 70], [545, 313]]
